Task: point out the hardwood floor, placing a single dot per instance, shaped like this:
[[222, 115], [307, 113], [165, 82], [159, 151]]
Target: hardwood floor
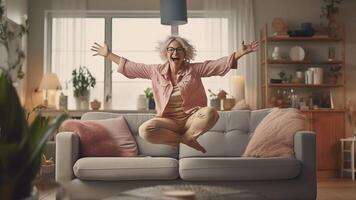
[[336, 189], [328, 189]]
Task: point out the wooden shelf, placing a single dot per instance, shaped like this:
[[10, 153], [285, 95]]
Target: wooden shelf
[[323, 110], [335, 62], [304, 85], [328, 124], [303, 39]]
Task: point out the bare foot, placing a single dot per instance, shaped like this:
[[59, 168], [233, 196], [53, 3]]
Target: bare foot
[[192, 142]]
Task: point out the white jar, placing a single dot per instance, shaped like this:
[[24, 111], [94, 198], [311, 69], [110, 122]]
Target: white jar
[[309, 77], [141, 102], [63, 102], [317, 75], [276, 54], [300, 76]]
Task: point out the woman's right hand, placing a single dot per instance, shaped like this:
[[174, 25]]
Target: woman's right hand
[[100, 50]]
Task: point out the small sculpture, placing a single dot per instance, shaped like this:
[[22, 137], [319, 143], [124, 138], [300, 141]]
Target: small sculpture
[[95, 105], [276, 54], [280, 27]]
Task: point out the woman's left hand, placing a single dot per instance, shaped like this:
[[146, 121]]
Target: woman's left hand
[[250, 47], [246, 49]]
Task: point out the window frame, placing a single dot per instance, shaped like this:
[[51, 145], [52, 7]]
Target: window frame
[[107, 16]]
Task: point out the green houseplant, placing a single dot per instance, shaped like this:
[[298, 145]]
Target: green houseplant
[[149, 95], [21, 144], [331, 12], [330, 8], [82, 81]]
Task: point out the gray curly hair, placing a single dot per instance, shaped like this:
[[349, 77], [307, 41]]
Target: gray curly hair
[[189, 49]]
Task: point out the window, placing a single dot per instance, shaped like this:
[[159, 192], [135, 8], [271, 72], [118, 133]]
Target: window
[[210, 45], [135, 37], [71, 41]]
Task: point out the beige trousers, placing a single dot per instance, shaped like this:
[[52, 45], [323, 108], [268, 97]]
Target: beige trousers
[[161, 130]]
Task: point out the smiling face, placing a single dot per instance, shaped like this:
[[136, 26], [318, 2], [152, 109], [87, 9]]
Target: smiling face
[[175, 53]]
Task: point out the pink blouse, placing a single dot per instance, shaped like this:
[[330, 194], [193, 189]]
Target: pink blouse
[[188, 80]]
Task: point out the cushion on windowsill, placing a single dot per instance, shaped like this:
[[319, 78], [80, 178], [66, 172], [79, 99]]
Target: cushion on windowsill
[[103, 138]]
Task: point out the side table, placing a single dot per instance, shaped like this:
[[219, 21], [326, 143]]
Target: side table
[[351, 152]]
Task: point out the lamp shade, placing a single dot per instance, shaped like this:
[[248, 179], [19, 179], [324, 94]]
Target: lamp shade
[[50, 82], [173, 12]]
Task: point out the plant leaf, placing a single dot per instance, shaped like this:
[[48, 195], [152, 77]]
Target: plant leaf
[[42, 134], [12, 118]]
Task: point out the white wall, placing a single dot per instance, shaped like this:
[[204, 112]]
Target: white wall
[[16, 9]]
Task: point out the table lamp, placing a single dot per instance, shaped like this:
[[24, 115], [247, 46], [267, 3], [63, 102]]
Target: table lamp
[[49, 82]]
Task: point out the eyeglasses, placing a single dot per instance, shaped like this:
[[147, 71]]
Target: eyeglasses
[[171, 49]]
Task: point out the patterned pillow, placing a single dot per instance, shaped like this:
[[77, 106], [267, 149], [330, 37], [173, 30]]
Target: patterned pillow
[[103, 138], [274, 136]]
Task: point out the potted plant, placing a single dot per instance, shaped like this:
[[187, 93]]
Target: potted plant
[[21, 144], [335, 72], [331, 8], [282, 75], [82, 81], [149, 96], [331, 12]]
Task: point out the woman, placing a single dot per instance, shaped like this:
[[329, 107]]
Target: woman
[[182, 115]]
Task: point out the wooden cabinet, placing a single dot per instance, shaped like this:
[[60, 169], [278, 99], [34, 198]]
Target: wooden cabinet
[[327, 121], [329, 128]]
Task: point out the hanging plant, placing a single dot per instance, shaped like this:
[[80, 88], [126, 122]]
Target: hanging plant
[[331, 7], [7, 35]]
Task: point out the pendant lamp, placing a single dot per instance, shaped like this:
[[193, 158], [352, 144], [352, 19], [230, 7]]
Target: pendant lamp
[[173, 12]]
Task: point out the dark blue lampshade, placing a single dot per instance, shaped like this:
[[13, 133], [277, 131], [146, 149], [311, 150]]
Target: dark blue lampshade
[[173, 12]]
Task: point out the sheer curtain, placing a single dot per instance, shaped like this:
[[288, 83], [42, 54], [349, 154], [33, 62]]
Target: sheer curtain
[[69, 48], [240, 17]]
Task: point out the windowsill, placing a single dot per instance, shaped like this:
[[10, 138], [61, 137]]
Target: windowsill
[[79, 113]]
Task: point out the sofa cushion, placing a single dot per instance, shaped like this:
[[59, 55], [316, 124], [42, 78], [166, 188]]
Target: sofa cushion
[[129, 168], [238, 168], [274, 136], [107, 137], [229, 136], [134, 120]]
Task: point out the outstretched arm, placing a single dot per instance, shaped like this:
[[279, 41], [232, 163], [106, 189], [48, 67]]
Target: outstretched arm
[[246, 49], [103, 50], [127, 68], [222, 65]]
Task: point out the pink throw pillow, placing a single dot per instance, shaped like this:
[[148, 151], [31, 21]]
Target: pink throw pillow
[[274, 136], [100, 138]]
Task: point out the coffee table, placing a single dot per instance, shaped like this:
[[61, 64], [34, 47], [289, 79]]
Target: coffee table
[[203, 192]]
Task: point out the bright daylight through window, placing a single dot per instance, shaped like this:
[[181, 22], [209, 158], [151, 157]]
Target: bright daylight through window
[[133, 38]]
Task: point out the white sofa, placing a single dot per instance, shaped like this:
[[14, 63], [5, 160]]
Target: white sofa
[[222, 165]]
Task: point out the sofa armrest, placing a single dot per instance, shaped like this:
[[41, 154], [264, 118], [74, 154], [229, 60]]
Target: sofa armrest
[[305, 152], [67, 153]]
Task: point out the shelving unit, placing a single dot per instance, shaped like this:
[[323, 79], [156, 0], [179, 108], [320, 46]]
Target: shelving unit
[[327, 122], [348, 161]]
